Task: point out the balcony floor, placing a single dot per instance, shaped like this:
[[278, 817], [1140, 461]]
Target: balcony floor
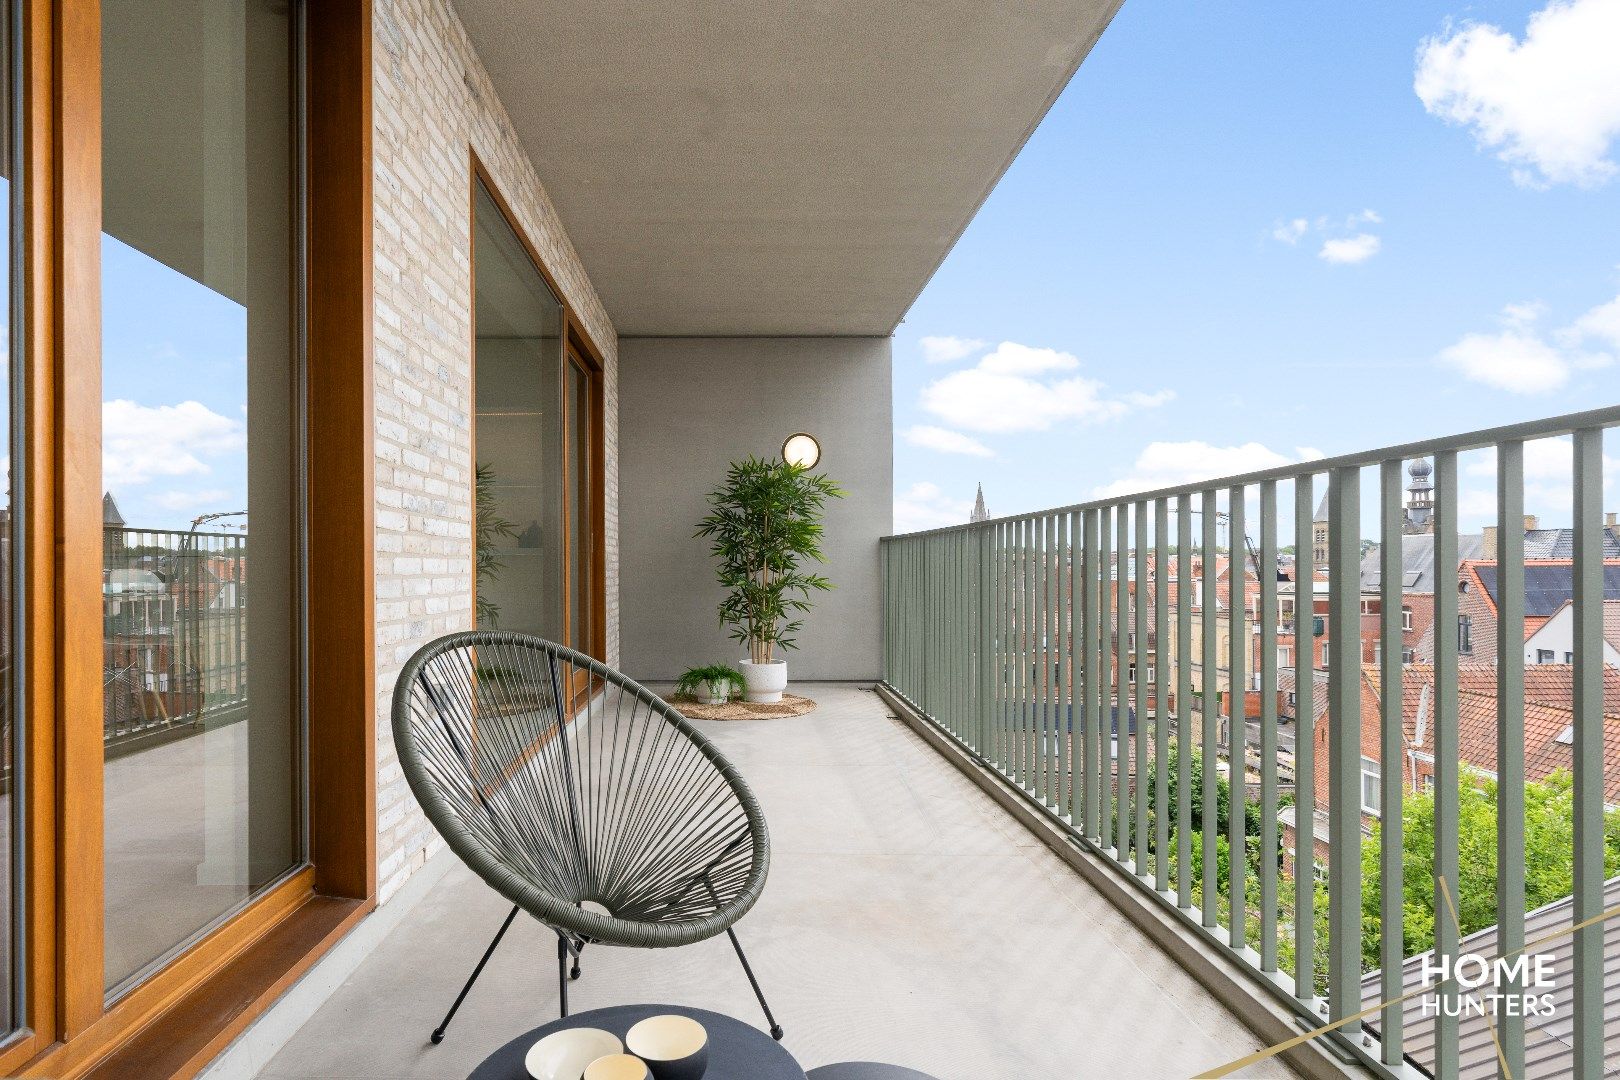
[[907, 919]]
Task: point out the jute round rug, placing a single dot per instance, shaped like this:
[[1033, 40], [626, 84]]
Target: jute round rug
[[790, 705]]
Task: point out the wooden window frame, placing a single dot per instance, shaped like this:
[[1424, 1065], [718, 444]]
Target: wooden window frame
[[578, 347], [174, 1022]]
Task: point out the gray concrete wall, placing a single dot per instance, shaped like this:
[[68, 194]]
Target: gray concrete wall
[[689, 407]]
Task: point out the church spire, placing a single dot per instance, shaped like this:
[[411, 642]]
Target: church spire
[[979, 512]]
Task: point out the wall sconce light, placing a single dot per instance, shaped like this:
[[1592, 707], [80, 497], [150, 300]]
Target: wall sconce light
[[801, 449]]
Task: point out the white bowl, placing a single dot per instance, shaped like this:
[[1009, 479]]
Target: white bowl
[[666, 1038], [563, 1055], [617, 1067]]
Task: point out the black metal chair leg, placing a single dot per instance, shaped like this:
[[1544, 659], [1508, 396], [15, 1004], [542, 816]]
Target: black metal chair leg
[[776, 1029], [438, 1032], [573, 972], [562, 973]]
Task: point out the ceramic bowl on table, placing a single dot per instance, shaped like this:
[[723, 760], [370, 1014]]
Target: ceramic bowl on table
[[617, 1067], [674, 1047], [563, 1055]]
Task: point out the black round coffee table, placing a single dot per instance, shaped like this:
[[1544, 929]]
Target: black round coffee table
[[736, 1051]]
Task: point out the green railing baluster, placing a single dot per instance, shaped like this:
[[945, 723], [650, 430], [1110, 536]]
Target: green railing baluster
[[1184, 700], [1105, 682], [1304, 743], [1237, 728], [1392, 896], [1510, 888], [1077, 672], [1588, 751], [1093, 679], [1161, 694], [1060, 660], [1043, 611], [1344, 751], [1270, 847], [1446, 772], [1122, 681], [1210, 743], [1139, 699]]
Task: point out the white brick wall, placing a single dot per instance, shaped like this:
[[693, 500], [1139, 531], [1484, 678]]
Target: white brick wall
[[432, 102]]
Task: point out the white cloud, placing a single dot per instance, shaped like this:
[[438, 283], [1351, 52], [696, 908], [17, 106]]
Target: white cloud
[[1289, 232], [925, 506], [1513, 360], [1349, 250], [1521, 360], [1549, 105], [192, 500], [1549, 482], [1173, 464], [1601, 323], [1011, 358], [1343, 241], [140, 442], [946, 441], [1014, 389], [943, 350]]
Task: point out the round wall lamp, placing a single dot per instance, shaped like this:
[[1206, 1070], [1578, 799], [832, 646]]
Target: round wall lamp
[[801, 449]]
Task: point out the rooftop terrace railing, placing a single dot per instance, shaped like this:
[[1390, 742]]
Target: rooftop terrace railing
[[1006, 635], [174, 633]]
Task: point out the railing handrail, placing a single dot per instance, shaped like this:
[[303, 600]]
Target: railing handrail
[[1551, 427]]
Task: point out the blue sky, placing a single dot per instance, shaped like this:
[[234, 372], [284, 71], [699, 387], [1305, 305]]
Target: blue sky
[[1246, 224], [174, 390]]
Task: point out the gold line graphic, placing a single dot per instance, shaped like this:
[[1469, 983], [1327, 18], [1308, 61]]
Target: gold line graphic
[[1231, 1067]]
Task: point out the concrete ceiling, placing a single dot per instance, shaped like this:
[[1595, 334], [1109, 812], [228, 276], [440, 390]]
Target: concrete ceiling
[[748, 167]]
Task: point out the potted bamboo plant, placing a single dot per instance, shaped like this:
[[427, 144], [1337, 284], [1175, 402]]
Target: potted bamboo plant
[[764, 524]]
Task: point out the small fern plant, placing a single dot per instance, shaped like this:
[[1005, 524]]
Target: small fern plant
[[720, 680]]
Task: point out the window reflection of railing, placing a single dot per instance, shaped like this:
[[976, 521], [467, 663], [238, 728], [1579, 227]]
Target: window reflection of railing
[[174, 632]]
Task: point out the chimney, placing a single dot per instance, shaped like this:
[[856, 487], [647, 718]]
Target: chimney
[[1609, 519], [1490, 542], [1530, 523]]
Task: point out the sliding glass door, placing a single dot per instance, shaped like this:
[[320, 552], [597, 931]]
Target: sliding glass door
[[200, 592], [536, 447]]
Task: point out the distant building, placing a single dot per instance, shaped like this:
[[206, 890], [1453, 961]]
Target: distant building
[[979, 512], [1419, 514]]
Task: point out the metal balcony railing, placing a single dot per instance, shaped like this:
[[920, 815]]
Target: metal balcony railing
[[1006, 635], [174, 632]]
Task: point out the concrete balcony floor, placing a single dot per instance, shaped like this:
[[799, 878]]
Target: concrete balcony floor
[[907, 919]]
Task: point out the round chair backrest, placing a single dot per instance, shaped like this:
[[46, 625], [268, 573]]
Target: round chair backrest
[[575, 792]]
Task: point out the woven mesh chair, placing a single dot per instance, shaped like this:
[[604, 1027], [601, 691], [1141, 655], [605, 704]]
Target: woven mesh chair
[[580, 796]]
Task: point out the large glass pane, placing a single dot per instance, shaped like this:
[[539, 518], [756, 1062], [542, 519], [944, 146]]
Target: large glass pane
[[202, 508], [10, 812], [519, 434]]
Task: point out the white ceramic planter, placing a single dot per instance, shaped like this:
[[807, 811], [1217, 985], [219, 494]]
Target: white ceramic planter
[[713, 693], [763, 682]]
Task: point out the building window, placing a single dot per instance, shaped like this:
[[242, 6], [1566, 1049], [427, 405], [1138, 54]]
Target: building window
[[1408, 656], [1285, 656], [1426, 783], [1465, 634], [1406, 619], [1569, 658], [1324, 662], [1544, 656], [1369, 786], [201, 362]]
